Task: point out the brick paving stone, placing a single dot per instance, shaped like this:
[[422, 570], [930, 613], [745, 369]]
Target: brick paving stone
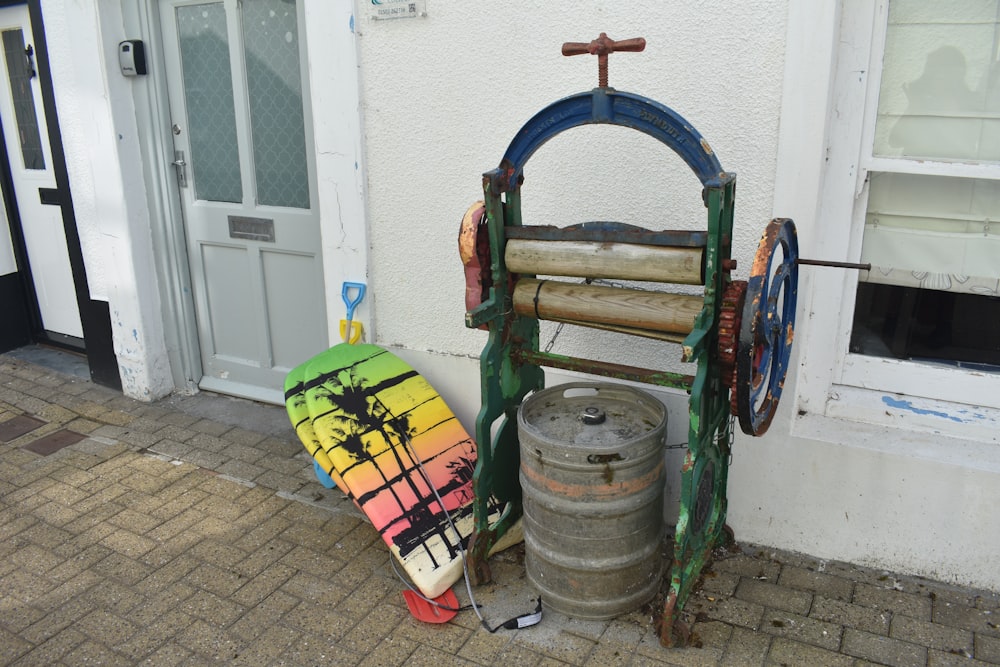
[[317, 651], [801, 629], [447, 637], [515, 653], [168, 655], [240, 469], [774, 596], [12, 646], [111, 554], [174, 418], [709, 634], [883, 649], [34, 559], [932, 635], [735, 612], [557, 644], [788, 653], [279, 481], [316, 620], [719, 583], [943, 659], [210, 427], [746, 648], [133, 519], [748, 566], [52, 651], [391, 651], [105, 627], [987, 648], [867, 619], [984, 621], [209, 643], [268, 644], [908, 604], [606, 656], [217, 580], [128, 543], [93, 653], [211, 608], [204, 458], [483, 647], [818, 583], [688, 657], [280, 447], [19, 615]]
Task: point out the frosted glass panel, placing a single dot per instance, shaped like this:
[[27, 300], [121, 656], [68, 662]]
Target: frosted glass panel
[[274, 83], [940, 92], [208, 93]]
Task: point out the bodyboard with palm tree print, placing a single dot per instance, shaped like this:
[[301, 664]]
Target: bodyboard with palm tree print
[[400, 452], [298, 413]]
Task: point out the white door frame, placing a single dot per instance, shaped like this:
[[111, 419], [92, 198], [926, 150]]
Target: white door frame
[[335, 106]]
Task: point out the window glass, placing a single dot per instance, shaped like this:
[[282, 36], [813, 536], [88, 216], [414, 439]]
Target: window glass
[[208, 94], [21, 74], [274, 84], [933, 239], [940, 92]]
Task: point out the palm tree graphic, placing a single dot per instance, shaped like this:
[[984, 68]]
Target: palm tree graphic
[[356, 411]]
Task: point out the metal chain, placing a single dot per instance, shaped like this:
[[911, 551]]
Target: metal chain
[[548, 346], [731, 437]]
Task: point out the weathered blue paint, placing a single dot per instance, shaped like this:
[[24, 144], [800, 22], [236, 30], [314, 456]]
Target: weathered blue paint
[[906, 405], [606, 105]]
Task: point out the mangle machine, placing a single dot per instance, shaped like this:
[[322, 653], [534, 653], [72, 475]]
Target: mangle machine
[[738, 334]]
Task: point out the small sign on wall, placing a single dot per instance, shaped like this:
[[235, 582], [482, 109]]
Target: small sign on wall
[[398, 9]]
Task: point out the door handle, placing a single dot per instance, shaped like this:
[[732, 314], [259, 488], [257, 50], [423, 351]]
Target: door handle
[[180, 164]]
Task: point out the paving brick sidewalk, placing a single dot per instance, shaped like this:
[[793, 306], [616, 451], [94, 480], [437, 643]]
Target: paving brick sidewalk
[[191, 531]]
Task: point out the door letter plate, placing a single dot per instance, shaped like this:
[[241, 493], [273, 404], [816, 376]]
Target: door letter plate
[[251, 229]]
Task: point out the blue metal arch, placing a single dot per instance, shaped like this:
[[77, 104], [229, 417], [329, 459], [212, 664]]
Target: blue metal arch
[[606, 105]]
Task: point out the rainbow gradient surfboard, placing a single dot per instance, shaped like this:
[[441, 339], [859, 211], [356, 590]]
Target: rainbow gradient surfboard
[[396, 448]]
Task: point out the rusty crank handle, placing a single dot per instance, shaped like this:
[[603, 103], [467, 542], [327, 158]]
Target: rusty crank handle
[[602, 47]]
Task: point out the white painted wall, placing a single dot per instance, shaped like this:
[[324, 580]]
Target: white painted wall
[[97, 122], [444, 95], [333, 74]]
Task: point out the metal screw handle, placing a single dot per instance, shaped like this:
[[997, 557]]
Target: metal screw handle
[[602, 47]]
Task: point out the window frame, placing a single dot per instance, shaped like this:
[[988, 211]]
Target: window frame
[[832, 382]]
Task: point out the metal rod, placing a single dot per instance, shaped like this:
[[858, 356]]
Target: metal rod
[[606, 369], [837, 265]]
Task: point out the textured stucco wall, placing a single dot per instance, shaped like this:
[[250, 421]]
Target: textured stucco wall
[[443, 95]]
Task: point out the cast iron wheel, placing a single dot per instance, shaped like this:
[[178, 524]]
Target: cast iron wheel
[[767, 327]]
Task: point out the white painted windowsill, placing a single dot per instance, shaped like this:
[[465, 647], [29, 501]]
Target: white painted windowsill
[[907, 432]]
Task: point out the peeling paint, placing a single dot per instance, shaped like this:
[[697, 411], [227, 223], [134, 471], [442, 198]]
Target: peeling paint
[[906, 405]]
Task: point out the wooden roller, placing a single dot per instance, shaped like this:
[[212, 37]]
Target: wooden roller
[[625, 261], [606, 307]]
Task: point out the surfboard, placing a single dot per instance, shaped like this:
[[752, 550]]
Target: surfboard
[[399, 451]]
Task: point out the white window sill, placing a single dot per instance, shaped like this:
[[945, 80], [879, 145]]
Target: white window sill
[[950, 434]]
